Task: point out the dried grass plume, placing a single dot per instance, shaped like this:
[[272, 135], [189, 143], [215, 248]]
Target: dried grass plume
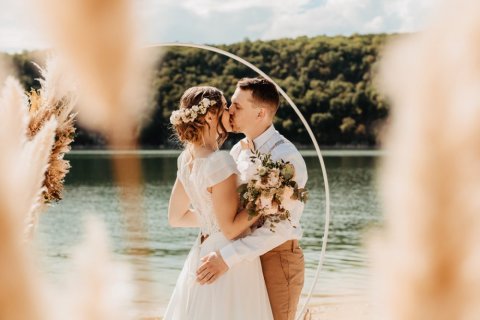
[[428, 260], [54, 99]]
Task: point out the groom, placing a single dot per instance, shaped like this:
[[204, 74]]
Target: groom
[[254, 104]]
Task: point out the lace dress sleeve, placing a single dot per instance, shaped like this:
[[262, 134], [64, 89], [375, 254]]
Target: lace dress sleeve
[[181, 166], [220, 166]]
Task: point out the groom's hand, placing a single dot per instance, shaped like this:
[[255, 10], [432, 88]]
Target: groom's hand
[[212, 268]]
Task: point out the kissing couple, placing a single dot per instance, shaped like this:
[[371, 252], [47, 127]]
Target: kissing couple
[[243, 265]]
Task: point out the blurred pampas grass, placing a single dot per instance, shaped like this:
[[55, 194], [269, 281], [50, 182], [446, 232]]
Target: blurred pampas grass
[[38, 129], [28, 159], [427, 262], [20, 285], [54, 99], [99, 288], [46, 136], [34, 162], [99, 45], [14, 115], [98, 42]]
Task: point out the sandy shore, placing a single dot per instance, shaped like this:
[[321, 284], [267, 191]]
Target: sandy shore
[[357, 311]]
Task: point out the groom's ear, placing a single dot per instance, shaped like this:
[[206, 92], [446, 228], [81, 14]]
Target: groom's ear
[[261, 113]]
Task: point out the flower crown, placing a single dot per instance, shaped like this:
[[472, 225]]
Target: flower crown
[[187, 115]]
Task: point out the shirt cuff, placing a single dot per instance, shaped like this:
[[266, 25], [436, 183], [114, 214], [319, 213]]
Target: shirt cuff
[[229, 255]]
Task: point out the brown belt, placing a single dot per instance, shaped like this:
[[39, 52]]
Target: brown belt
[[289, 245]]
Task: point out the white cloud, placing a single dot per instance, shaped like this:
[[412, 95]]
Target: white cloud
[[351, 16], [412, 14], [206, 21], [227, 21], [204, 7], [376, 25]]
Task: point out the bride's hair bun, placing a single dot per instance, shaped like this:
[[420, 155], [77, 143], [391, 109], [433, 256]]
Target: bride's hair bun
[[189, 132], [191, 129]]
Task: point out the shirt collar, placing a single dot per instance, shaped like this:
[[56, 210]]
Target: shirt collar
[[264, 137]]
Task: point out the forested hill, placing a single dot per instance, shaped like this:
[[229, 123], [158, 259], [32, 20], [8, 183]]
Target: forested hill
[[329, 79]]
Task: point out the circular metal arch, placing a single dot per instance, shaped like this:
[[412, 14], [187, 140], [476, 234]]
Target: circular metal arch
[[310, 133]]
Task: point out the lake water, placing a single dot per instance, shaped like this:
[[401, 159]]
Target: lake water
[[89, 189]]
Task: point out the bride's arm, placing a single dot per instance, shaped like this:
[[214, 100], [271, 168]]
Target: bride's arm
[[179, 214], [225, 205]]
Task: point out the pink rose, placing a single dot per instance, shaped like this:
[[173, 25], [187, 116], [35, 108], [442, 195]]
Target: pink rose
[[287, 192], [266, 200], [273, 178], [273, 209], [259, 184]]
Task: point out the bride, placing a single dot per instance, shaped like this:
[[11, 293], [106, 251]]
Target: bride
[[204, 196]]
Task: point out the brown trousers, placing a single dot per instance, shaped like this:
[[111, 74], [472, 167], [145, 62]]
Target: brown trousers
[[283, 269]]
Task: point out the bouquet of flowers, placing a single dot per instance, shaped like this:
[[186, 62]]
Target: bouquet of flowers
[[271, 192]]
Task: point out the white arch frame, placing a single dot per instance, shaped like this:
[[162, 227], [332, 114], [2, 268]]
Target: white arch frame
[[310, 133]]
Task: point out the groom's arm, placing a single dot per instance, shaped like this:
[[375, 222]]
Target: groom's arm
[[262, 239], [257, 243]]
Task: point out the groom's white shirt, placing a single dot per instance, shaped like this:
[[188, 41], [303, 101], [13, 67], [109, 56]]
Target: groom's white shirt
[[262, 240]]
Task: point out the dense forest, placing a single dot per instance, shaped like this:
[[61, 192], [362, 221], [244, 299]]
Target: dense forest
[[329, 78]]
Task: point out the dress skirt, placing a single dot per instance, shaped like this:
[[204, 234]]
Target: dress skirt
[[239, 294]]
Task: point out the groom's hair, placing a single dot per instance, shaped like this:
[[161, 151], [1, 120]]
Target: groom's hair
[[263, 91]]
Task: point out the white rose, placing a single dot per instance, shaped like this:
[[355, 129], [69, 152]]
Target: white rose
[[273, 177], [248, 170], [256, 163], [259, 184], [175, 115], [195, 108], [206, 102]]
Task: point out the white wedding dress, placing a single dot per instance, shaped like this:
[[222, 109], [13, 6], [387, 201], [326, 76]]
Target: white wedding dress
[[240, 293]]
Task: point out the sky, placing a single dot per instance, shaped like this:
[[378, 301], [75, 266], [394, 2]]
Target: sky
[[229, 21]]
